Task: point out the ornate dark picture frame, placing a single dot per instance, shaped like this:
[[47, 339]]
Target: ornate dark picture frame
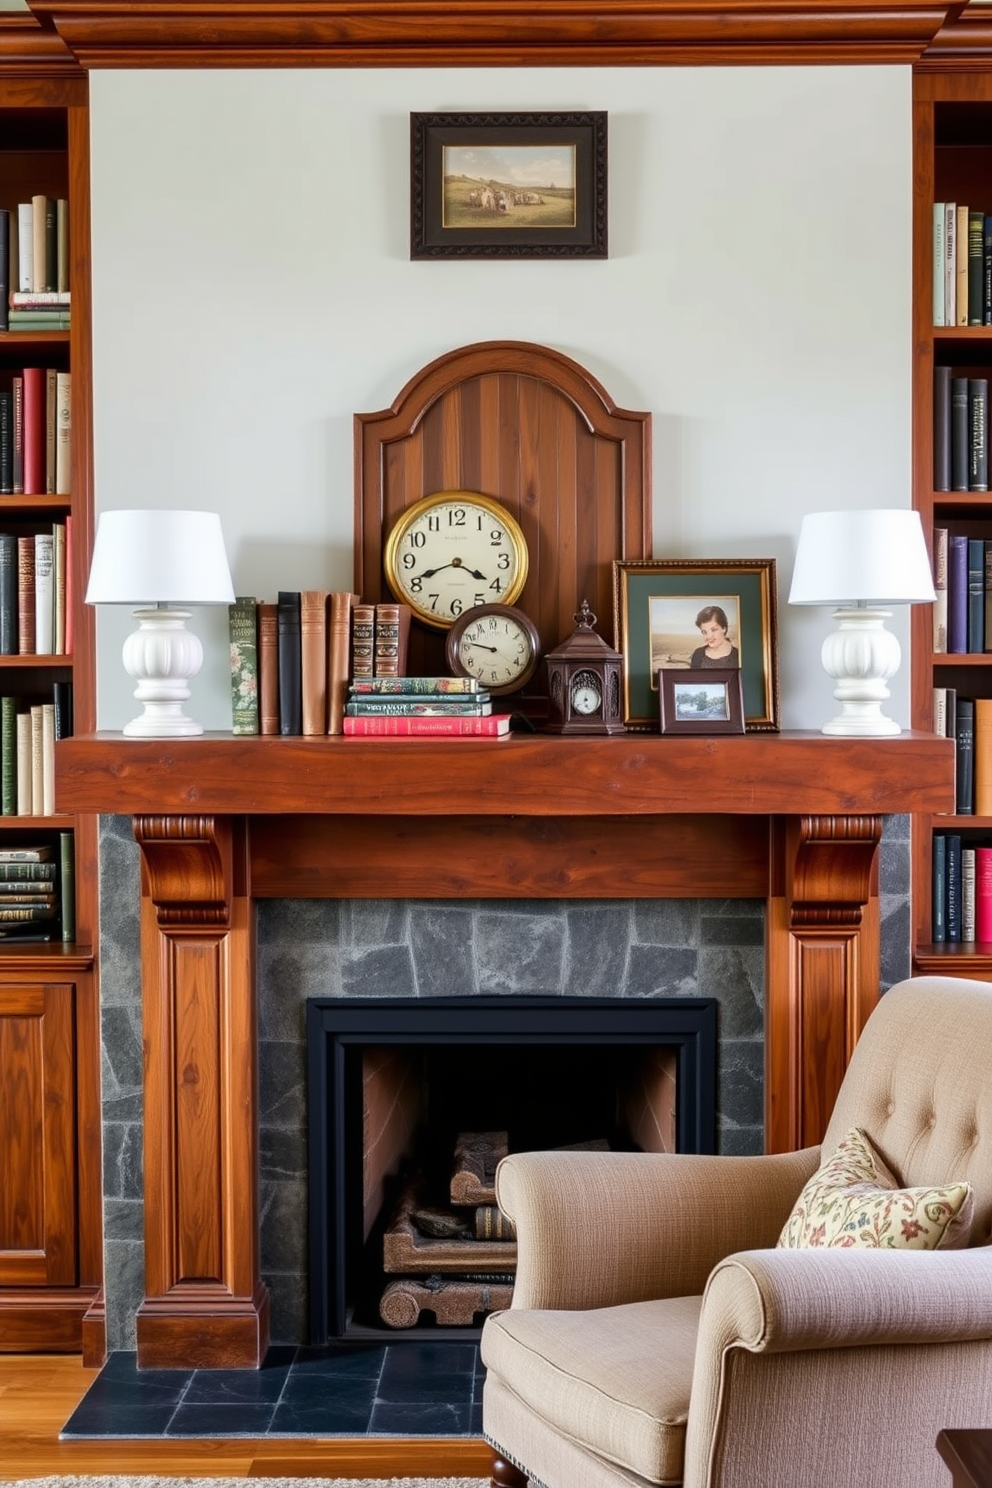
[[477, 187], [705, 701]]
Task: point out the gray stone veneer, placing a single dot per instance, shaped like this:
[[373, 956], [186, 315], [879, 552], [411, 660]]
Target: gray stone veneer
[[393, 948]]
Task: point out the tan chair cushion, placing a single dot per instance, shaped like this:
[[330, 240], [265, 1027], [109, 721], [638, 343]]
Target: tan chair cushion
[[616, 1379], [854, 1200]]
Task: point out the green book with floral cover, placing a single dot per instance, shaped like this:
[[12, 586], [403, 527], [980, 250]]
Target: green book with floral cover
[[244, 665]]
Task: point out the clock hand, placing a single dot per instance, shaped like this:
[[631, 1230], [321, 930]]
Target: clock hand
[[481, 646], [474, 573]]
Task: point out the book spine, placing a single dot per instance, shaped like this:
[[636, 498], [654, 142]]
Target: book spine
[[363, 640], [942, 428], [58, 588], [25, 595], [443, 685], [6, 442], [957, 594], [9, 645], [62, 700], [34, 431], [8, 756], [51, 244], [16, 871], [313, 660], [48, 759], [965, 758], [24, 801], [983, 757], [976, 266], [63, 448], [953, 887], [70, 592], [961, 253], [51, 443], [938, 263], [967, 894], [940, 589], [17, 434], [22, 914], [421, 707], [960, 457], [290, 679], [37, 762], [950, 263], [938, 713], [938, 878], [978, 420], [4, 265], [392, 630], [983, 895], [242, 623], [39, 216], [976, 594], [338, 656], [39, 300], [268, 668], [67, 885], [25, 246], [62, 264], [493, 726], [44, 594]]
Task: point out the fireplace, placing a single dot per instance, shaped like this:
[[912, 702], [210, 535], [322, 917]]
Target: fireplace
[[395, 1084]]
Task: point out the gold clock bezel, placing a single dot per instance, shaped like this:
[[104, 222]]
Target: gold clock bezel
[[508, 611], [413, 514]]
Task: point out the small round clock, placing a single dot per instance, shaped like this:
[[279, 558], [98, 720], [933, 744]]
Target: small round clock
[[452, 551], [495, 643]]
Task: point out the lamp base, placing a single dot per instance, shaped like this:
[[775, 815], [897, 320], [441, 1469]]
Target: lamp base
[[861, 655], [162, 655]]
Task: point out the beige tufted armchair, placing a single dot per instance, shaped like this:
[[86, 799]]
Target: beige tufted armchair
[[657, 1336]]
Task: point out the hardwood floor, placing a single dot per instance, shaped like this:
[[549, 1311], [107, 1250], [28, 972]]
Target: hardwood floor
[[38, 1392]]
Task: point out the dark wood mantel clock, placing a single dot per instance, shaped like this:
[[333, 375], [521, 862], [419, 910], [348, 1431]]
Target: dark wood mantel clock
[[584, 682]]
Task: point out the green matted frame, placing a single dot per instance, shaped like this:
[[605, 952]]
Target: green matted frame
[[647, 591]]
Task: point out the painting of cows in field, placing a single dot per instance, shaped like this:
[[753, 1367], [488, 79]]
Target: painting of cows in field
[[509, 186]]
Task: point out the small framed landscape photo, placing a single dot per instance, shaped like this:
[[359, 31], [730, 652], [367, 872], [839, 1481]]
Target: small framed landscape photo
[[688, 616], [704, 701], [508, 185]]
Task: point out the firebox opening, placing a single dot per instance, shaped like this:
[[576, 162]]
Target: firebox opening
[[408, 1123]]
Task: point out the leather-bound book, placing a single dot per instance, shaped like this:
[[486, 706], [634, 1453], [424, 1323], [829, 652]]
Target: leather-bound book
[[268, 669], [392, 637], [290, 672], [363, 640], [340, 605], [313, 659], [25, 594]]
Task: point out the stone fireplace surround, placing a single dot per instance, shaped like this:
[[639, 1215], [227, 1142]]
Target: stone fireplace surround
[[360, 948]]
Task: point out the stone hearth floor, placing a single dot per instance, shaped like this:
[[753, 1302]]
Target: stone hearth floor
[[398, 1389]]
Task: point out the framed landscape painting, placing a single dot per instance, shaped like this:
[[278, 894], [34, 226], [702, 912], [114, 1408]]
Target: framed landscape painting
[[694, 615], [508, 185]]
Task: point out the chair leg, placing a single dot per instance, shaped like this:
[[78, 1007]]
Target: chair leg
[[505, 1475]]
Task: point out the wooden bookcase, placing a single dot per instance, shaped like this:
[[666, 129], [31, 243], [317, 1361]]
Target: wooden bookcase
[[952, 147], [51, 1244]]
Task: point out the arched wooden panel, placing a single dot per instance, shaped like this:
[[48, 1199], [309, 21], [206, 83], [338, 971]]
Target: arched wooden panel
[[532, 428]]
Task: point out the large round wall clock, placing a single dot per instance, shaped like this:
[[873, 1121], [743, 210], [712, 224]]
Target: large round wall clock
[[451, 551], [497, 644]]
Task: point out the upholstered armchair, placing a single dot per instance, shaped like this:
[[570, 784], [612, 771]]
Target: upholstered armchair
[[660, 1335]]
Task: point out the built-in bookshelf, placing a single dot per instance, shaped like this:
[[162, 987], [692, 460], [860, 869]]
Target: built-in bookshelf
[[951, 647], [51, 1245]]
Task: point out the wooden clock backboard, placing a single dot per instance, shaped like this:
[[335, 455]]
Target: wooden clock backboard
[[534, 429]]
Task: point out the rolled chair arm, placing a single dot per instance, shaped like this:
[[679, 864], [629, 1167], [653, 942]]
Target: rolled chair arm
[[596, 1229], [785, 1300]]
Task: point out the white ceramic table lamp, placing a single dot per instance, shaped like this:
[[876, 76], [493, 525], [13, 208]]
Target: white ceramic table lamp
[[862, 562], [160, 562]]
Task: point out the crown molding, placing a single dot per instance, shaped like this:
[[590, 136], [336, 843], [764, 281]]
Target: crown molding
[[963, 43], [506, 33], [31, 50]]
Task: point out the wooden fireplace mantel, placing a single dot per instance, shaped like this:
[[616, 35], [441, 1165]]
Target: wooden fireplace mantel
[[792, 818]]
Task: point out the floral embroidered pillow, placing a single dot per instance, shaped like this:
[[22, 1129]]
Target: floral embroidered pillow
[[854, 1200]]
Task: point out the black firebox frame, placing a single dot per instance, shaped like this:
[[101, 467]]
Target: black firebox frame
[[686, 1025]]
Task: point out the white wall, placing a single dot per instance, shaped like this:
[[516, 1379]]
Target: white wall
[[253, 289]]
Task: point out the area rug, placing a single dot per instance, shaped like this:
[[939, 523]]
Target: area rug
[[162, 1481]]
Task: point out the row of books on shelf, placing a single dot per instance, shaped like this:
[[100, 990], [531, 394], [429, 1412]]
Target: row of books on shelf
[[960, 431], [961, 882], [36, 592], [38, 891], [36, 433], [962, 265], [34, 257], [29, 731], [968, 721], [962, 580]]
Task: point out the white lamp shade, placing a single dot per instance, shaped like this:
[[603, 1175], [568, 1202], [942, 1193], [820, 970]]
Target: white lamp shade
[[874, 557], [159, 557]]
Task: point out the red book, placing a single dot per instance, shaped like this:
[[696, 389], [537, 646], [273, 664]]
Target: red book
[[35, 416], [983, 895], [492, 726]]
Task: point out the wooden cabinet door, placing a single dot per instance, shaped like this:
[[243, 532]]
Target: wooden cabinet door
[[37, 1136]]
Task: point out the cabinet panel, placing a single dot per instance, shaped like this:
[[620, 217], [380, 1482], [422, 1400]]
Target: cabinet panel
[[37, 1136]]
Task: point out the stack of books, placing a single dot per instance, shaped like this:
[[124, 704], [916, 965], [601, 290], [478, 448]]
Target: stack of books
[[37, 900], [422, 707]]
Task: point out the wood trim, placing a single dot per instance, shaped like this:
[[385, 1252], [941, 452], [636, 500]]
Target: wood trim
[[30, 52], [504, 33]]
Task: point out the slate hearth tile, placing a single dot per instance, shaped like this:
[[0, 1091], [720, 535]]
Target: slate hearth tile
[[420, 1418], [114, 1420], [421, 1361], [430, 1388], [242, 1419], [347, 1361], [330, 1390], [320, 1415], [239, 1386], [137, 1391]]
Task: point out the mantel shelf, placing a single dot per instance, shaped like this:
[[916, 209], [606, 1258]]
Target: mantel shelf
[[790, 773]]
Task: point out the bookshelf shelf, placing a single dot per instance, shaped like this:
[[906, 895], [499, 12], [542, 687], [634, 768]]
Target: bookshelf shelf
[[51, 1267]]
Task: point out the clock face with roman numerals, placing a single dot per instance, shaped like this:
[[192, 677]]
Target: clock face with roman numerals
[[497, 644], [452, 551]]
